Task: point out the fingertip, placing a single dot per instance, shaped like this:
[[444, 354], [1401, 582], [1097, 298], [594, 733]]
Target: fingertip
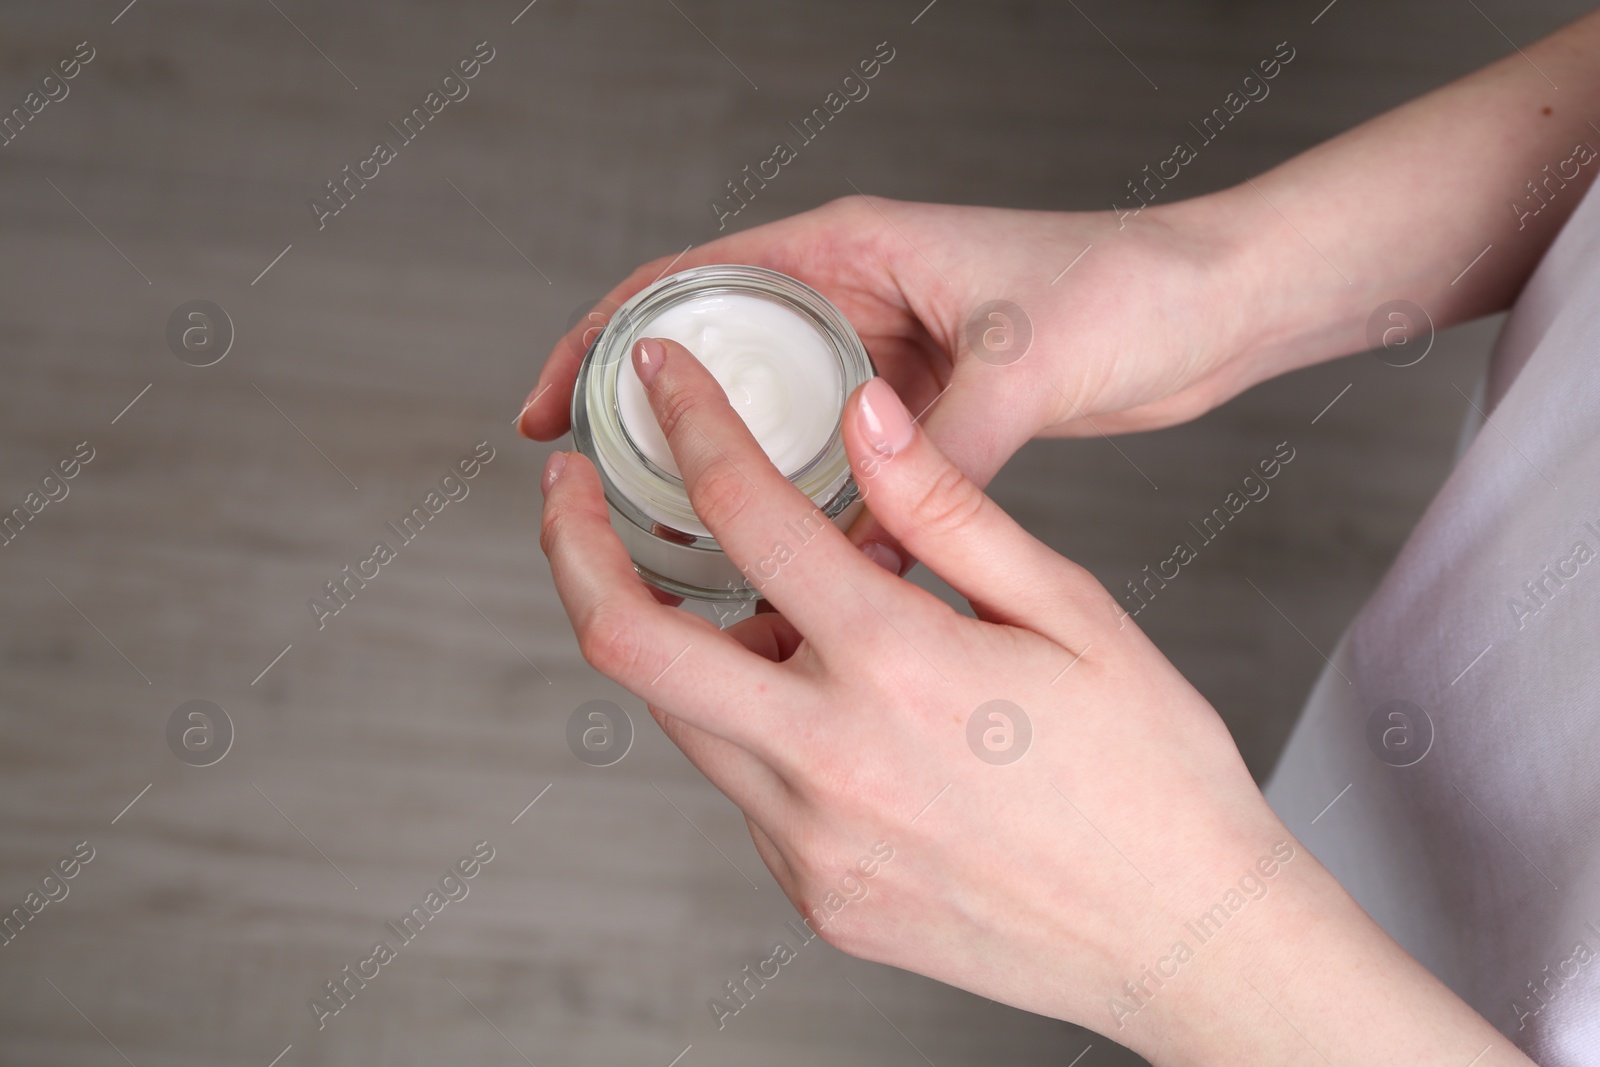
[[567, 473], [884, 422], [544, 416], [883, 555], [878, 544], [571, 488], [649, 355], [552, 470], [877, 427]]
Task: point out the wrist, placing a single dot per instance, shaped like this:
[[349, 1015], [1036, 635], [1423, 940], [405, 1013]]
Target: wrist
[[1280, 980], [1174, 295], [1178, 999], [1226, 250]]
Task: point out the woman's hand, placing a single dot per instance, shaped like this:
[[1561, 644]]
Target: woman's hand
[[1133, 336], [1057, 803]]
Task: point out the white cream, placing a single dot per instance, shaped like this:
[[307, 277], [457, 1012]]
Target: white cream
[[780, 374], [784, 356]]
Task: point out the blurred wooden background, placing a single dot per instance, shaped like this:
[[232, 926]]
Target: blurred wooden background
[[376, 352]]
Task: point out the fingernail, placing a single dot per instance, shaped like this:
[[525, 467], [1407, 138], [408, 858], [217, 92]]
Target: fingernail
[[648, 356], [553, 468], [882, 555], [884, 420]]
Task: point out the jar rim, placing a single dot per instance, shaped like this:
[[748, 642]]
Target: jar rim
[[635, 487]]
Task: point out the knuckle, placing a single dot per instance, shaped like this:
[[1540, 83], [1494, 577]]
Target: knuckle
[[1076, 588], [1079, 580], [674, 409], [844, 207], [721, 494], [1079, 583], [840, 932], [948, 504], [856, 206], [849, 789], [554, 529], [611, 642], [827, 899]]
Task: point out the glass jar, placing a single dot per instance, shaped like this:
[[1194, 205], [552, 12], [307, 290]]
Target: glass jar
[[650, 510]]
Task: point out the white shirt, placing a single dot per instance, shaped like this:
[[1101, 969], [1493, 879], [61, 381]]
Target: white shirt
[[1482, 858]]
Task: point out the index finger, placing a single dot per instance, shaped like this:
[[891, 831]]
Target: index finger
[[783, 543]]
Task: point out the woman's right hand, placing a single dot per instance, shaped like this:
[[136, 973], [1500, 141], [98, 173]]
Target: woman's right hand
[[1135, 335]]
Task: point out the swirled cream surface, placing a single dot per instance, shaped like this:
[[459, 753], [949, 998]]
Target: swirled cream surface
[[779, 372]]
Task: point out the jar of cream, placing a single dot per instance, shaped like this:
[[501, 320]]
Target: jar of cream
[[787, 359]]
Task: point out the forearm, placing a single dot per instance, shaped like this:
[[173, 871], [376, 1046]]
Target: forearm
[[1308, 978], [1402, 205]]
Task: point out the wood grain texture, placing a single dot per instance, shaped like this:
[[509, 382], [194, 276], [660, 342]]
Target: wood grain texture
[[425, 716]]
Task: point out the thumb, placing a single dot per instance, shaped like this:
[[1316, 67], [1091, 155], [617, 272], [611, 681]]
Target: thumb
[[943, 518], [977, 428]]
